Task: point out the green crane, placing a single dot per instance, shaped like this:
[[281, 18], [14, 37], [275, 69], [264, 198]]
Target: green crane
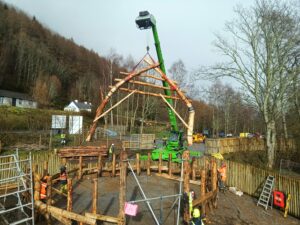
[[145, 20]]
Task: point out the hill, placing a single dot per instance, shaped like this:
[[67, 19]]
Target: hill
[[49, 67]]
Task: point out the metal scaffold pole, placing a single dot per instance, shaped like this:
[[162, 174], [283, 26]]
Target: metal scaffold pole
[[16, 178]]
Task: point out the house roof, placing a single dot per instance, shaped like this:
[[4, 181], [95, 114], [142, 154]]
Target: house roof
[[82, 105], [12, 94]]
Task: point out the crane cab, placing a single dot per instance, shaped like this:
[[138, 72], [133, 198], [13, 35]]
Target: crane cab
[[145, 20]]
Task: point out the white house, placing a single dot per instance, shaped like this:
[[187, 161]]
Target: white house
[[78, 106], [16, 99]]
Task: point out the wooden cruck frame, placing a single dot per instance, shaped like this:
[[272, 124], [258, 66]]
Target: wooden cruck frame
[[152, 65]]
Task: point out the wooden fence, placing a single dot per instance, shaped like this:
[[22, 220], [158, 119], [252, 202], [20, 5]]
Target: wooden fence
[[250, 180], [227, 145]]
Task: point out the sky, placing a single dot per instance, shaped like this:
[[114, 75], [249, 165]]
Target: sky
[[186, 28]]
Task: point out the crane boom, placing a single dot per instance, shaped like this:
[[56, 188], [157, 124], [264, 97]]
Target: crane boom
[[147, 21]]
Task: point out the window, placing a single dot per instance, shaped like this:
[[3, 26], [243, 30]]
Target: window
[[20, 101]]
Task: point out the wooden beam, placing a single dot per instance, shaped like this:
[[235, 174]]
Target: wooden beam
[[65, 213], [148, 93], [58, 192], [114, 106], [103, 218], [111, 92], [171, 107], [145, 84], [207, 196], [150, 76]]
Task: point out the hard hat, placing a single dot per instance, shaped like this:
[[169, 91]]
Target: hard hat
[[196, 213]]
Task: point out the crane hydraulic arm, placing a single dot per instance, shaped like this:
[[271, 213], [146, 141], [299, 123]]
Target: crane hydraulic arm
[[145, 20]]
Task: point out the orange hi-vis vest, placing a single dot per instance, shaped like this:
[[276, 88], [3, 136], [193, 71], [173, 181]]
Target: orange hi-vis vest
[[63, 176], [222, 172], [43, 192]]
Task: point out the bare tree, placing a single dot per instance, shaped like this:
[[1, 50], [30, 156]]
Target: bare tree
[[263, 39]]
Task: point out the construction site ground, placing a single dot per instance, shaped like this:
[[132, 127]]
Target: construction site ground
[[231, 210]]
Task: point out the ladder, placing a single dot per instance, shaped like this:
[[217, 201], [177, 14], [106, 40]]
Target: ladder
[[266, 193]]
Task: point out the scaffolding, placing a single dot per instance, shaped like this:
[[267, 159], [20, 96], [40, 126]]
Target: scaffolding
[[16, 190]]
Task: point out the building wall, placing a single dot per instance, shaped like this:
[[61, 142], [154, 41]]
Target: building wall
[[26, 104], [5, 101], [19, 102], [71, 107]]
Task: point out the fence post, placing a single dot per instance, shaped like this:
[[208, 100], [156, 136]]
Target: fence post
[[45, 169], [170, 165], [160, 163], [138, 166], [149, 164], [114, 164], [50, 140]]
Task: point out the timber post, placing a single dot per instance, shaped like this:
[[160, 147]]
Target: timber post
[[99, 165], [70, 192], [186, 181], [114, 164], [170, 165], [95, 196], [149, 164], [159, 163], [214, 181], [193, 168], [37, 186], [49, 190], [138, 164], [123, 178], [202, 189]]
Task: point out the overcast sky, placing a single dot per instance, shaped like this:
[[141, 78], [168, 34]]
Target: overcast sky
[[186, 28]]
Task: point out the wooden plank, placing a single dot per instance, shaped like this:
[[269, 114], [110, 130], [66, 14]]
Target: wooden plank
[[207, 196], [145, 84], [103, 218], [148, 93]]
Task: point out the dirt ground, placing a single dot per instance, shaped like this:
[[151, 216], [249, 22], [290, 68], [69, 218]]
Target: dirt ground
[[231, 210]]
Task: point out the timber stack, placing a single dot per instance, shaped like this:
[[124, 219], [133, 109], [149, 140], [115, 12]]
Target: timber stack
[[78, 151]]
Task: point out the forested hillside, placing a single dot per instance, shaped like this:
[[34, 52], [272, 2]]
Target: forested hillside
[[45, 65]]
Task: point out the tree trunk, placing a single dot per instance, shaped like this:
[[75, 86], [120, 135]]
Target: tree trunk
[[271, 143], [284, 126]]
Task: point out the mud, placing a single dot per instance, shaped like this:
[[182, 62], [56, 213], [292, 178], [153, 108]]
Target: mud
[[231, 210]]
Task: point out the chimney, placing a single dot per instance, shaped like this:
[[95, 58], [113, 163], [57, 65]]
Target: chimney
[[76, 101]]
